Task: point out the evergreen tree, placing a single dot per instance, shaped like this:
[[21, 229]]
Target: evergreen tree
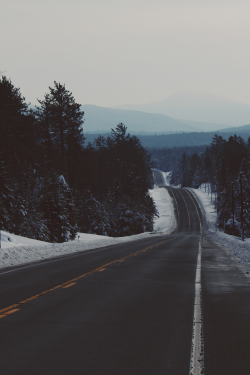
[[61, 119], [12, 117], [6, 200], [58, 209]]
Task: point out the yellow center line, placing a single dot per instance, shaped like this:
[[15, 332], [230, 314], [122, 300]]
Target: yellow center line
[[7, 310], [11, 311], [67, 286], [8, 313]]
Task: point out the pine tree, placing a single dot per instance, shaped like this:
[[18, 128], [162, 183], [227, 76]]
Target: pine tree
[[58, 209], [61, 119], [6, 200], [12, 116]]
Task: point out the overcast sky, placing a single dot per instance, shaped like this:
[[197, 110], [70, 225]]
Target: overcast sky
[[111, 52]]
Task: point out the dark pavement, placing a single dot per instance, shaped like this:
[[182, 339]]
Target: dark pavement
[[126, 309]]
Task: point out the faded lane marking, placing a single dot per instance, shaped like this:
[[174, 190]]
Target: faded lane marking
[[8, 308], [67, 286], [79, 277], [8, 313], [11, 311], [197, 353]]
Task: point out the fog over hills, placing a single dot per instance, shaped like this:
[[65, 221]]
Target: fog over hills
[[101, 120], [197, 108]]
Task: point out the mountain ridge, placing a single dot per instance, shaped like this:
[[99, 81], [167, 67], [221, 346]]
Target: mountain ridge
[[198, 107], [102, 119]]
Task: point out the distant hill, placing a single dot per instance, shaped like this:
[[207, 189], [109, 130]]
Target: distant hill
[[184, 139], [198, 107], [237, 129], [100, 119], [205, 126]]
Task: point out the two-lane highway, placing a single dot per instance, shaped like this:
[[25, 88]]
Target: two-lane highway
[[124, 309]]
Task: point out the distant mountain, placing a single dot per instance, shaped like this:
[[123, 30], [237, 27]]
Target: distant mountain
[[199, 107], [205, 126], [101, 120], [237, 130]]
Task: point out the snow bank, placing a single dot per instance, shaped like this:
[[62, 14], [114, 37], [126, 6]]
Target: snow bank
[[10, 240], [239, 249], [207, 204], [167, 177], [165, 208], [18, 250]]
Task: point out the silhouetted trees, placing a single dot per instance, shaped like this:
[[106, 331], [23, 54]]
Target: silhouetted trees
[[51, 185], [221, 166]]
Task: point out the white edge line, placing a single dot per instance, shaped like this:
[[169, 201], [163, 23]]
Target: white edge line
[[197, 350]]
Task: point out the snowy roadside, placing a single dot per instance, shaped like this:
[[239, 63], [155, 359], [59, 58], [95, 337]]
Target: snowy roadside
[[240, 250], [16, 250]]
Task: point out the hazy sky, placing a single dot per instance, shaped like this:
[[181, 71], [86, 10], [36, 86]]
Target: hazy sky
[[114, 52]]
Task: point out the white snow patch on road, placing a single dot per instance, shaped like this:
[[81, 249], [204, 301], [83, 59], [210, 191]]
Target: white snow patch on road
[[16, 250], [238, 248]]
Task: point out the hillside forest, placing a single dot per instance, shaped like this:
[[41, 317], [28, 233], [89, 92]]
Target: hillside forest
[[53, 184], [225, 167]]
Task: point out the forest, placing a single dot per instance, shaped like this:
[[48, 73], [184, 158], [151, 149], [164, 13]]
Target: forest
[[181, 139], [53, 185], [225, 166]]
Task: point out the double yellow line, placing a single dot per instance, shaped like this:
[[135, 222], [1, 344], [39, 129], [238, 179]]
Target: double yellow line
[[11, 309]]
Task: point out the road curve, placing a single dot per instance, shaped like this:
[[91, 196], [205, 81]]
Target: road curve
[[124, 309]]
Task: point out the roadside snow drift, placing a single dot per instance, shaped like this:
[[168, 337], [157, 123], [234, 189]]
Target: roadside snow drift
[[238, 248], [17, 250]]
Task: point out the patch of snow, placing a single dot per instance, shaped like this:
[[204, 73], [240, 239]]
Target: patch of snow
[[167, 177], [207, 202], [165, 208], [10, 240], [62, 181], [17, 250], [239, 249]]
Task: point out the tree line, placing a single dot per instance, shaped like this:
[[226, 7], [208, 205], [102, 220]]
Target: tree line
[[53, 185], [225, 167]]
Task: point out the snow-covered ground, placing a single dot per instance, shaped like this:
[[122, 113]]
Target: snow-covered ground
[[165, 209], [17, 250], [239, 249], [167, 177]]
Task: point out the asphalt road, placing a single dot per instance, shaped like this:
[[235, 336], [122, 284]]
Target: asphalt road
[[126, 309]]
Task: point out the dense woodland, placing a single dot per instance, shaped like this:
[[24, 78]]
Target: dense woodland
[[223, 165], [168, 159], [182, 140], [52, 184]]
